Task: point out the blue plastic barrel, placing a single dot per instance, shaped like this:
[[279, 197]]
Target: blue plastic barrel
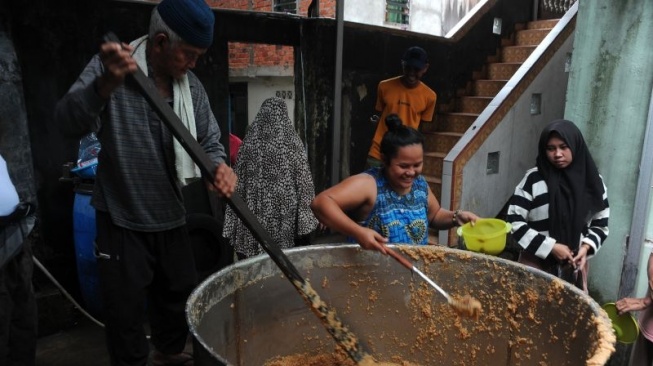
[[84, 236]]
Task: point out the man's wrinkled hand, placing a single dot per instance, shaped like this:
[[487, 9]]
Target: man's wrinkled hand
[[225, 180], [118, 63]]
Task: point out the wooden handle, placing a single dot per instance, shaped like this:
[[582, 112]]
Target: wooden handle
[[400, 258]]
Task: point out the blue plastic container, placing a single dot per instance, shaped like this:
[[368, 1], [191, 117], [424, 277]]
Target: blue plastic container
[[87, 169], [84, 236]]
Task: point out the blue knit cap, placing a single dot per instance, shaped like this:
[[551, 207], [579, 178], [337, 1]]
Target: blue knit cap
[[192, 20]]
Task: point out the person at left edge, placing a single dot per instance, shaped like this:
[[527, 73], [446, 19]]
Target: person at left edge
[[143, 244], [18, 312]]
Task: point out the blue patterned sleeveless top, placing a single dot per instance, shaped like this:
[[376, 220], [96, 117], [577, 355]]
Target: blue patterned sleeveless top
[[401, 219]]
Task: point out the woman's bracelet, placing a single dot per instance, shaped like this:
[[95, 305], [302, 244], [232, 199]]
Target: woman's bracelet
[[455, 218]]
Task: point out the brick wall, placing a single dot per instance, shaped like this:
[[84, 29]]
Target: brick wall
[[327, 8], [246, 55]]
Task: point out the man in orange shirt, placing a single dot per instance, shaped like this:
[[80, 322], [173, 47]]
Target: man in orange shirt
[[406, 96]]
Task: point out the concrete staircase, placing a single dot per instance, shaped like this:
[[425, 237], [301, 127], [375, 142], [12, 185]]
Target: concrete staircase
[[453, 119]]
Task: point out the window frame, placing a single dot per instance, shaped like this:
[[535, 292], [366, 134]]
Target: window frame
[[285, 6], [397, 12]]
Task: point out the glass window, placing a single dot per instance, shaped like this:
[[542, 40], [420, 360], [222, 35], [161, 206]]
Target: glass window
[[397, 11], [285, 6]]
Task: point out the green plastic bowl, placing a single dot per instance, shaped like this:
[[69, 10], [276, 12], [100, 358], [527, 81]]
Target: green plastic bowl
[[487, 236], [625, 326]]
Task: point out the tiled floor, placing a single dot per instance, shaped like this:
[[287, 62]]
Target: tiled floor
[[81, 345]]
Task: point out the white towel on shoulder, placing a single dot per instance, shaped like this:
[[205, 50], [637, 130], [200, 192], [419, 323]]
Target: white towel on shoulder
[[182, 105]]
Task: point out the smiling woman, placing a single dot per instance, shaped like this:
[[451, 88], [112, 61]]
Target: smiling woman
[[388, 204]]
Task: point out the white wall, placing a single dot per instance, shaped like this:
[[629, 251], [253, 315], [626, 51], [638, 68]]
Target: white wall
[[261, 88], [609, 93], [370, 12], [642, 274], [425, 15]]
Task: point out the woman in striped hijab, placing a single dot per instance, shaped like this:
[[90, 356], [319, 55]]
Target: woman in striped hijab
[[559, 211]]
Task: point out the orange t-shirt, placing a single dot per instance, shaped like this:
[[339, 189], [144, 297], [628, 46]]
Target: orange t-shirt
[[411, 105]]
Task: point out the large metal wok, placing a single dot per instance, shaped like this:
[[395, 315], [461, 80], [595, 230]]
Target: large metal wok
[[248, 312]]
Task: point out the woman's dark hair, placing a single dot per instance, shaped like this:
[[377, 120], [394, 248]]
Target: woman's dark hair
[[398, 136]]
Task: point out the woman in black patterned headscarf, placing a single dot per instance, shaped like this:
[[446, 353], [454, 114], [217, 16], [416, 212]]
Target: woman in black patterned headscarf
[[275, 180], [559, 211]]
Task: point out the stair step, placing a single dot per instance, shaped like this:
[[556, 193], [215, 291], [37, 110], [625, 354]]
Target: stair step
[[435, 184], [433, 163], [542, 24], [516, 53], [432, 180], [531, 37], [461, 92], [503, 70], [479, 74], [442, 108], [456, 117], [473, 104], [435, 154], [441, 142], [488, 88], [493, 58], [507, 42], [450, 122]]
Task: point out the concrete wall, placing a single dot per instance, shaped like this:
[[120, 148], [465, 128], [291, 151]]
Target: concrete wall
[[609, 91], [430, 17], [454, 11], [426, 17], [262, 88], [370, 12], [516, 140], [642, 277]]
